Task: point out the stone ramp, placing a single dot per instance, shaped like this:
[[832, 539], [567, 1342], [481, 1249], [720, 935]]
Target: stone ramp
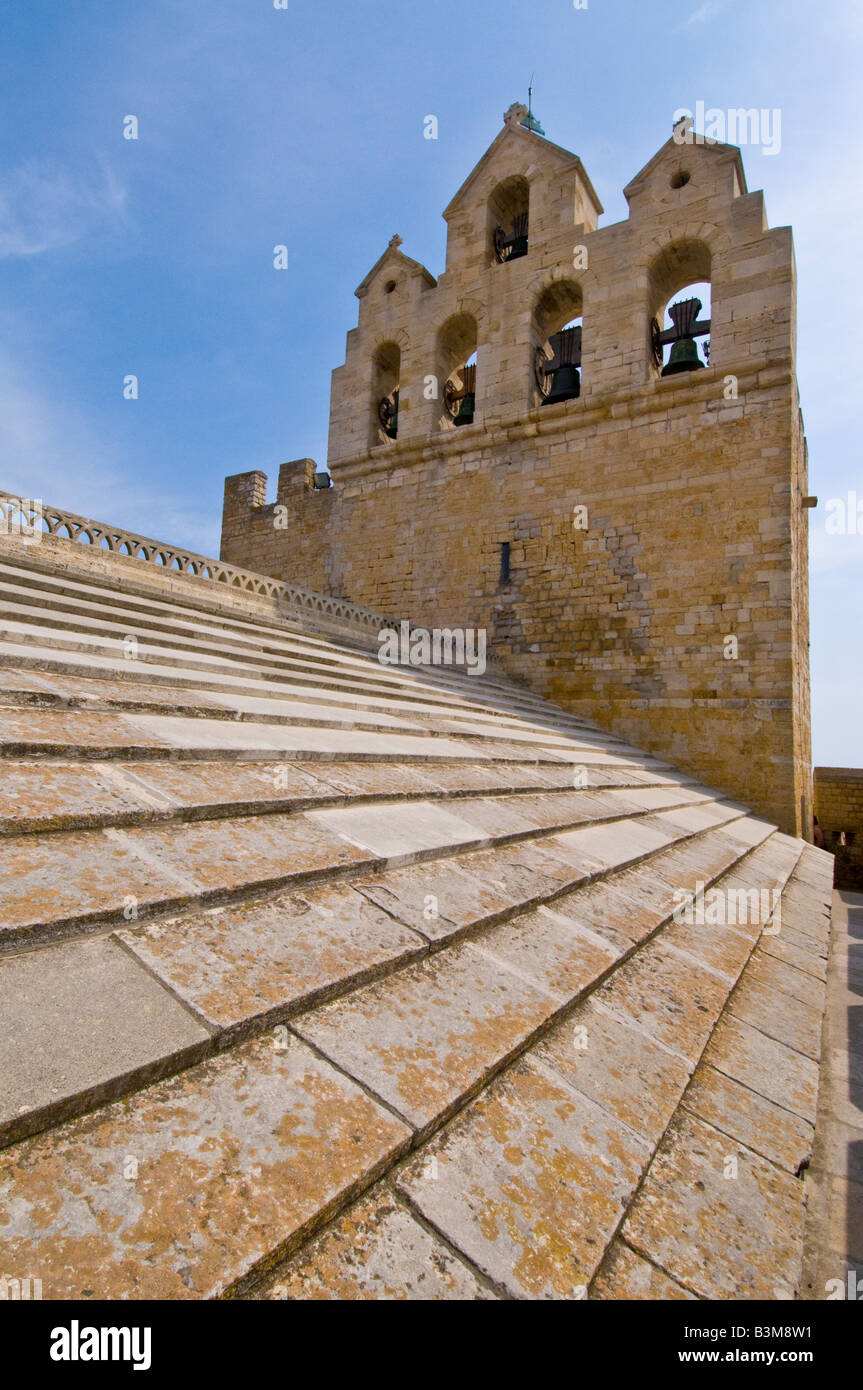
[[322, 979]]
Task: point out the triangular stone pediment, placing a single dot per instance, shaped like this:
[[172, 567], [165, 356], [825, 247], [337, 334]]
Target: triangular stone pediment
[[673, 156], [517, 150], [393, 259]]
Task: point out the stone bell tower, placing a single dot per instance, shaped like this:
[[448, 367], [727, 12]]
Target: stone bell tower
[[558, 441]]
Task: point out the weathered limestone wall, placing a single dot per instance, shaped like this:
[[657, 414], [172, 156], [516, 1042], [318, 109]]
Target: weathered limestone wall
[[839, 808], [693, 484]]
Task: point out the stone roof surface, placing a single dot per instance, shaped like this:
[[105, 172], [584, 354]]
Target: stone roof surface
[[323, 979]]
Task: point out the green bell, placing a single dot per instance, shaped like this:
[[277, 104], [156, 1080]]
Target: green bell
[[467, 399], [512, 248], [388, 414], [565, 384], [466, 408], [684, 353], [684, 358]]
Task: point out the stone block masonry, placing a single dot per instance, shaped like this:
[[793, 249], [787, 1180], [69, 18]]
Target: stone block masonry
[[839, 808], [657, 532]]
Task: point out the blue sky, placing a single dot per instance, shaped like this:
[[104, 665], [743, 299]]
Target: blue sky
[[304, 126]]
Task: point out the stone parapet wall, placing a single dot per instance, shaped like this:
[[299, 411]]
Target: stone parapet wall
[[839, 808], [140, 562]]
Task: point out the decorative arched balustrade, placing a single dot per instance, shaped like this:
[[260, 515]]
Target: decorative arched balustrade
[[30, 520]]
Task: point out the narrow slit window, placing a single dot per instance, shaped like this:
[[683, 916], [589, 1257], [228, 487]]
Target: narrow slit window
[[504, 562]]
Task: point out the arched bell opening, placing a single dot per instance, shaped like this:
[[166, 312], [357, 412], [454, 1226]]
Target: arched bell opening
[[509, 220], [385, 393], [457, 369], [557, 328], [680, 309]]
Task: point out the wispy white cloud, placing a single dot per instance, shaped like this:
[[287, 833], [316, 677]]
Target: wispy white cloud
[[44, 207], [49, 450], [704, 14]]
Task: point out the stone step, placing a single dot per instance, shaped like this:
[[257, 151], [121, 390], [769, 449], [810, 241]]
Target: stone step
[[41, 727], [427, 1038], [317, 662], [321, 975], [29, 733], [730, 1171], [49, 690], [98, 697], [247, 967], [91, 655], [176, 627], [60, 884], [287, 712], [238, 691], [144, 1193], [455, 897], [143, 588], [193, 1187], [528, 1182], [115, 613], [291, 705], [258, 963], [97, 638], [75, 595], [82, 795], [82, 1023], [393, 1255]]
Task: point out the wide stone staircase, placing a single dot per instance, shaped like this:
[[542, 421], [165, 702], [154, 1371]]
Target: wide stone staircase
[[325, 979]]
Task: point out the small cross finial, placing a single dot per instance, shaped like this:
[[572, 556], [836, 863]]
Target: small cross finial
[[515, 114], [395, 241]]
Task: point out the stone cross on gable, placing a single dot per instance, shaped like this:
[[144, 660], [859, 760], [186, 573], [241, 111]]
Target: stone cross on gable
[[516, 114]]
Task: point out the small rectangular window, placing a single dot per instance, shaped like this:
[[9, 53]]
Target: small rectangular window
[[504, 562]]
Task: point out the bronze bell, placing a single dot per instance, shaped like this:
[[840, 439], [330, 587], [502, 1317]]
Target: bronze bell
[[466, 410], [684, 352], [565, 376], [511, 248], [684, 358], [565, 384], [467, 404], [518, 240], [388, 414]]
